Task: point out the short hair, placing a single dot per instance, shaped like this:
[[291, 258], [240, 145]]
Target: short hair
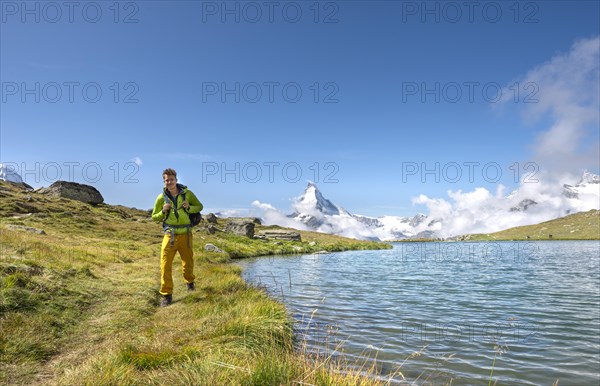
[[169, 172]]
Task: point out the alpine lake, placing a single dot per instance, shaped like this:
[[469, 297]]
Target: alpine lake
[[438, 313]]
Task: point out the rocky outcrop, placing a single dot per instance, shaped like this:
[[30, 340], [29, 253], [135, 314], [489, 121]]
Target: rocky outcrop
[[279, 234], [73, 191], [211, 218], [243, 227], [523, 205]]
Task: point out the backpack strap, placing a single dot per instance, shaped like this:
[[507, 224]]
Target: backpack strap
[[171, 228]]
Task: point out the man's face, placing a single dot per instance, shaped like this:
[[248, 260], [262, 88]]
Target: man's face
[[170, 181]]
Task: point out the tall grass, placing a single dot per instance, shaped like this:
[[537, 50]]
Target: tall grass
[[79, 305]]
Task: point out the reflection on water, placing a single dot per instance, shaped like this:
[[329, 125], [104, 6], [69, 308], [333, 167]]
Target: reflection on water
[[442, 312]]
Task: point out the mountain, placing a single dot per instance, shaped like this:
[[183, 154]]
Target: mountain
[[588, 184], [8, 174], [318, 213], [468, 213]]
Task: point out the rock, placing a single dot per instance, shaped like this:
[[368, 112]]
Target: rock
[[25, 229], [241, 228], [211, 229], [211, 218], [297, 248], [280, 234], [312, 243], [74, 191], [21, 215], [212, 248]]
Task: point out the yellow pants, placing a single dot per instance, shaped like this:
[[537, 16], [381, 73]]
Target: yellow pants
[[166, 261]]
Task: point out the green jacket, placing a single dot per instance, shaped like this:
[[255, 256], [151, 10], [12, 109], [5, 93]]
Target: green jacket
[[176, 216]]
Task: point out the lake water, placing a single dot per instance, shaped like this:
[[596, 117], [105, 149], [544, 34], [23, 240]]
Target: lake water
[[533, 307]]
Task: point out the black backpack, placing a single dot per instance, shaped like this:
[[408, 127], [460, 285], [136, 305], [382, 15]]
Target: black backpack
[[195, 218]]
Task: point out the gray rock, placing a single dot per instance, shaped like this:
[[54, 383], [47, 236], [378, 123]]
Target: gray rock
[[23, 228], [280, 234], [211, 229], [212, 248], [523, 205], [241, 228], [74, 191], [211, 218]]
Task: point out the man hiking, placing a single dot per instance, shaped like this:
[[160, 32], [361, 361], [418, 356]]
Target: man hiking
[[173, 207]]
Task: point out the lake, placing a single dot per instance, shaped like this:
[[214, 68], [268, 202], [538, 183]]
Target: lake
[[435, 313]]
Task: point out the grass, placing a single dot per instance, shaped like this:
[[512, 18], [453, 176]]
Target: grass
[[578, 226], [79, 304]]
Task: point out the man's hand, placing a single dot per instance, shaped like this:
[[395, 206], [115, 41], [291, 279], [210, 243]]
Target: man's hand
[[166, 207], [185, 205]]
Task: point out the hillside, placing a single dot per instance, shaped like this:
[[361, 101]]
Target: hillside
[[578, 226], [79, 304]]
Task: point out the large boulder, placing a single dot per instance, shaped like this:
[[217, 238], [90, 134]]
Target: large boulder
[[279, 234], [74, 191], [241, 227]]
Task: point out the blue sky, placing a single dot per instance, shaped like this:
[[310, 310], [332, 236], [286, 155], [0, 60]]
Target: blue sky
[[253, 108]]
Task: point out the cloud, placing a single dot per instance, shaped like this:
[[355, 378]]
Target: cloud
[[567, 91], [273, 216], [567, 94], [137, 161], [480, 211]]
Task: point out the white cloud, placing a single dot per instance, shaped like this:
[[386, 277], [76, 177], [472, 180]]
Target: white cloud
[[480, 211], [568, 92], [273, 216], [137, 161]]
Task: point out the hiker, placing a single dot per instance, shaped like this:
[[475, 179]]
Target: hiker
[[173, 207]]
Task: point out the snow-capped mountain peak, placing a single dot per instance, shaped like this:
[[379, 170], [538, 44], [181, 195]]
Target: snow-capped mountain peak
[[318, 213], [9, 174], [462, 215], [588, 178], [312, 201], [588, 184]]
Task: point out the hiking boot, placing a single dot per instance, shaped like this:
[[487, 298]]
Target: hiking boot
[[191, 286], [166, 300]]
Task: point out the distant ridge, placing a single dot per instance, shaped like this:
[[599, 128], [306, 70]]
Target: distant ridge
[[577, 226]]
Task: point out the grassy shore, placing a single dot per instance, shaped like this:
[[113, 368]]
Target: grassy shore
[[78, 304]]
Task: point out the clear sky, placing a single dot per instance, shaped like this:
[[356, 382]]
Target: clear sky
[[250, 100]]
